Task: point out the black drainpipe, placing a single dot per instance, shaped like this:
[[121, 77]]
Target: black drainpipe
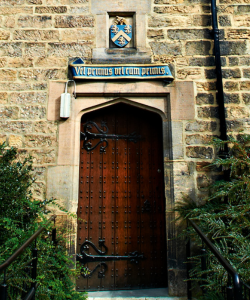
[[220, 95]]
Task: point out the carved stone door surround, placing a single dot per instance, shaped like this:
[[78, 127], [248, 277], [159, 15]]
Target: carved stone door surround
[[174, 102]]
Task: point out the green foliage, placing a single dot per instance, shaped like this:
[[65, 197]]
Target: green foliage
[[20, 217], [225, 216]]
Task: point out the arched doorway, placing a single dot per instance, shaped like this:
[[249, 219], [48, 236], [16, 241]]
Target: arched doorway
[[121, 237]]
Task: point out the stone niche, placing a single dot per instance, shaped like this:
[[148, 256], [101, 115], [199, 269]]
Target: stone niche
[[174, 102], [135, 13]]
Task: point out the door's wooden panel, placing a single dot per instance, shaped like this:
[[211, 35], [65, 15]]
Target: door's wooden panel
[[122, 193]]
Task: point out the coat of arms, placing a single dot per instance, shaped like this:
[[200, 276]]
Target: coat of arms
[[121, 33]]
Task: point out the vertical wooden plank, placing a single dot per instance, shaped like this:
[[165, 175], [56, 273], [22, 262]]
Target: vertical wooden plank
[[121, 200], [83, 206], [108, 217], [95, 205], [134, 216]]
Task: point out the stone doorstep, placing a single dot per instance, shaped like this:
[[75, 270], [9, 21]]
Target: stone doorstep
[[144, 294], [137, 298]]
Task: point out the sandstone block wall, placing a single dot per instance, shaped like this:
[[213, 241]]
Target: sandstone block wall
[[39, 37]]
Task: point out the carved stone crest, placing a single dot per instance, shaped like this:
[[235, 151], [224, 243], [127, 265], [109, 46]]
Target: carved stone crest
[[120, 32]]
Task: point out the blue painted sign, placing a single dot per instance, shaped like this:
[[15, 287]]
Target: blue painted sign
[[82, 71], [121, 35]]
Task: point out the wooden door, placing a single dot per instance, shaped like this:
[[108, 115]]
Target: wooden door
[[121, 237]]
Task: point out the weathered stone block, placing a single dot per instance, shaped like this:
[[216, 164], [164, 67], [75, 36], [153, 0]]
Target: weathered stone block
[[225, 21], [32, 112], [8, 74], [244, 61], [34, 49], [44, 156], [39, 141], [163, 48], [204, 98], [202, 20], [39, 173], [195, 139], [3, 97], [4, 34], [15, 141], [201, 126], [42, 74], [178, 9], [234, 125], [11, 49], [9, 112], [231, 98], [3, 62], [246, 98], [28, 98], [201, 61], [9, 86], [231, 86], [40, 86], [14, 10], [36, 35], [242, 9], [233, 61], [198, 48], [242, 21], [189, 34], [246, 73], [208, 112], [155, 34], [26, 21], [20, 62], [238, 33], [16, 126], [51, 61], [10, 22], [199, 152], [245, 85], [45, 127], [189, 73], [210, 73], [236, 112], [11, 2], [233, 48], [51, 9], [169, 21], [231, 73], [79, 9], [77, 34], [73, 21], [80, 49], [206, 86], [78, 1], [37, 2]]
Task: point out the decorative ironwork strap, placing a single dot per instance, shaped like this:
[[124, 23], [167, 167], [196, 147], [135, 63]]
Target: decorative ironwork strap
[[85, 258], [103, 135]]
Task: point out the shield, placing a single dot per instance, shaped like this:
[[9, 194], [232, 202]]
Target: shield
[[121, 34]]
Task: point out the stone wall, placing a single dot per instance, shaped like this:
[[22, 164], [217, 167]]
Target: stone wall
[[37, 39], [179, 33]]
